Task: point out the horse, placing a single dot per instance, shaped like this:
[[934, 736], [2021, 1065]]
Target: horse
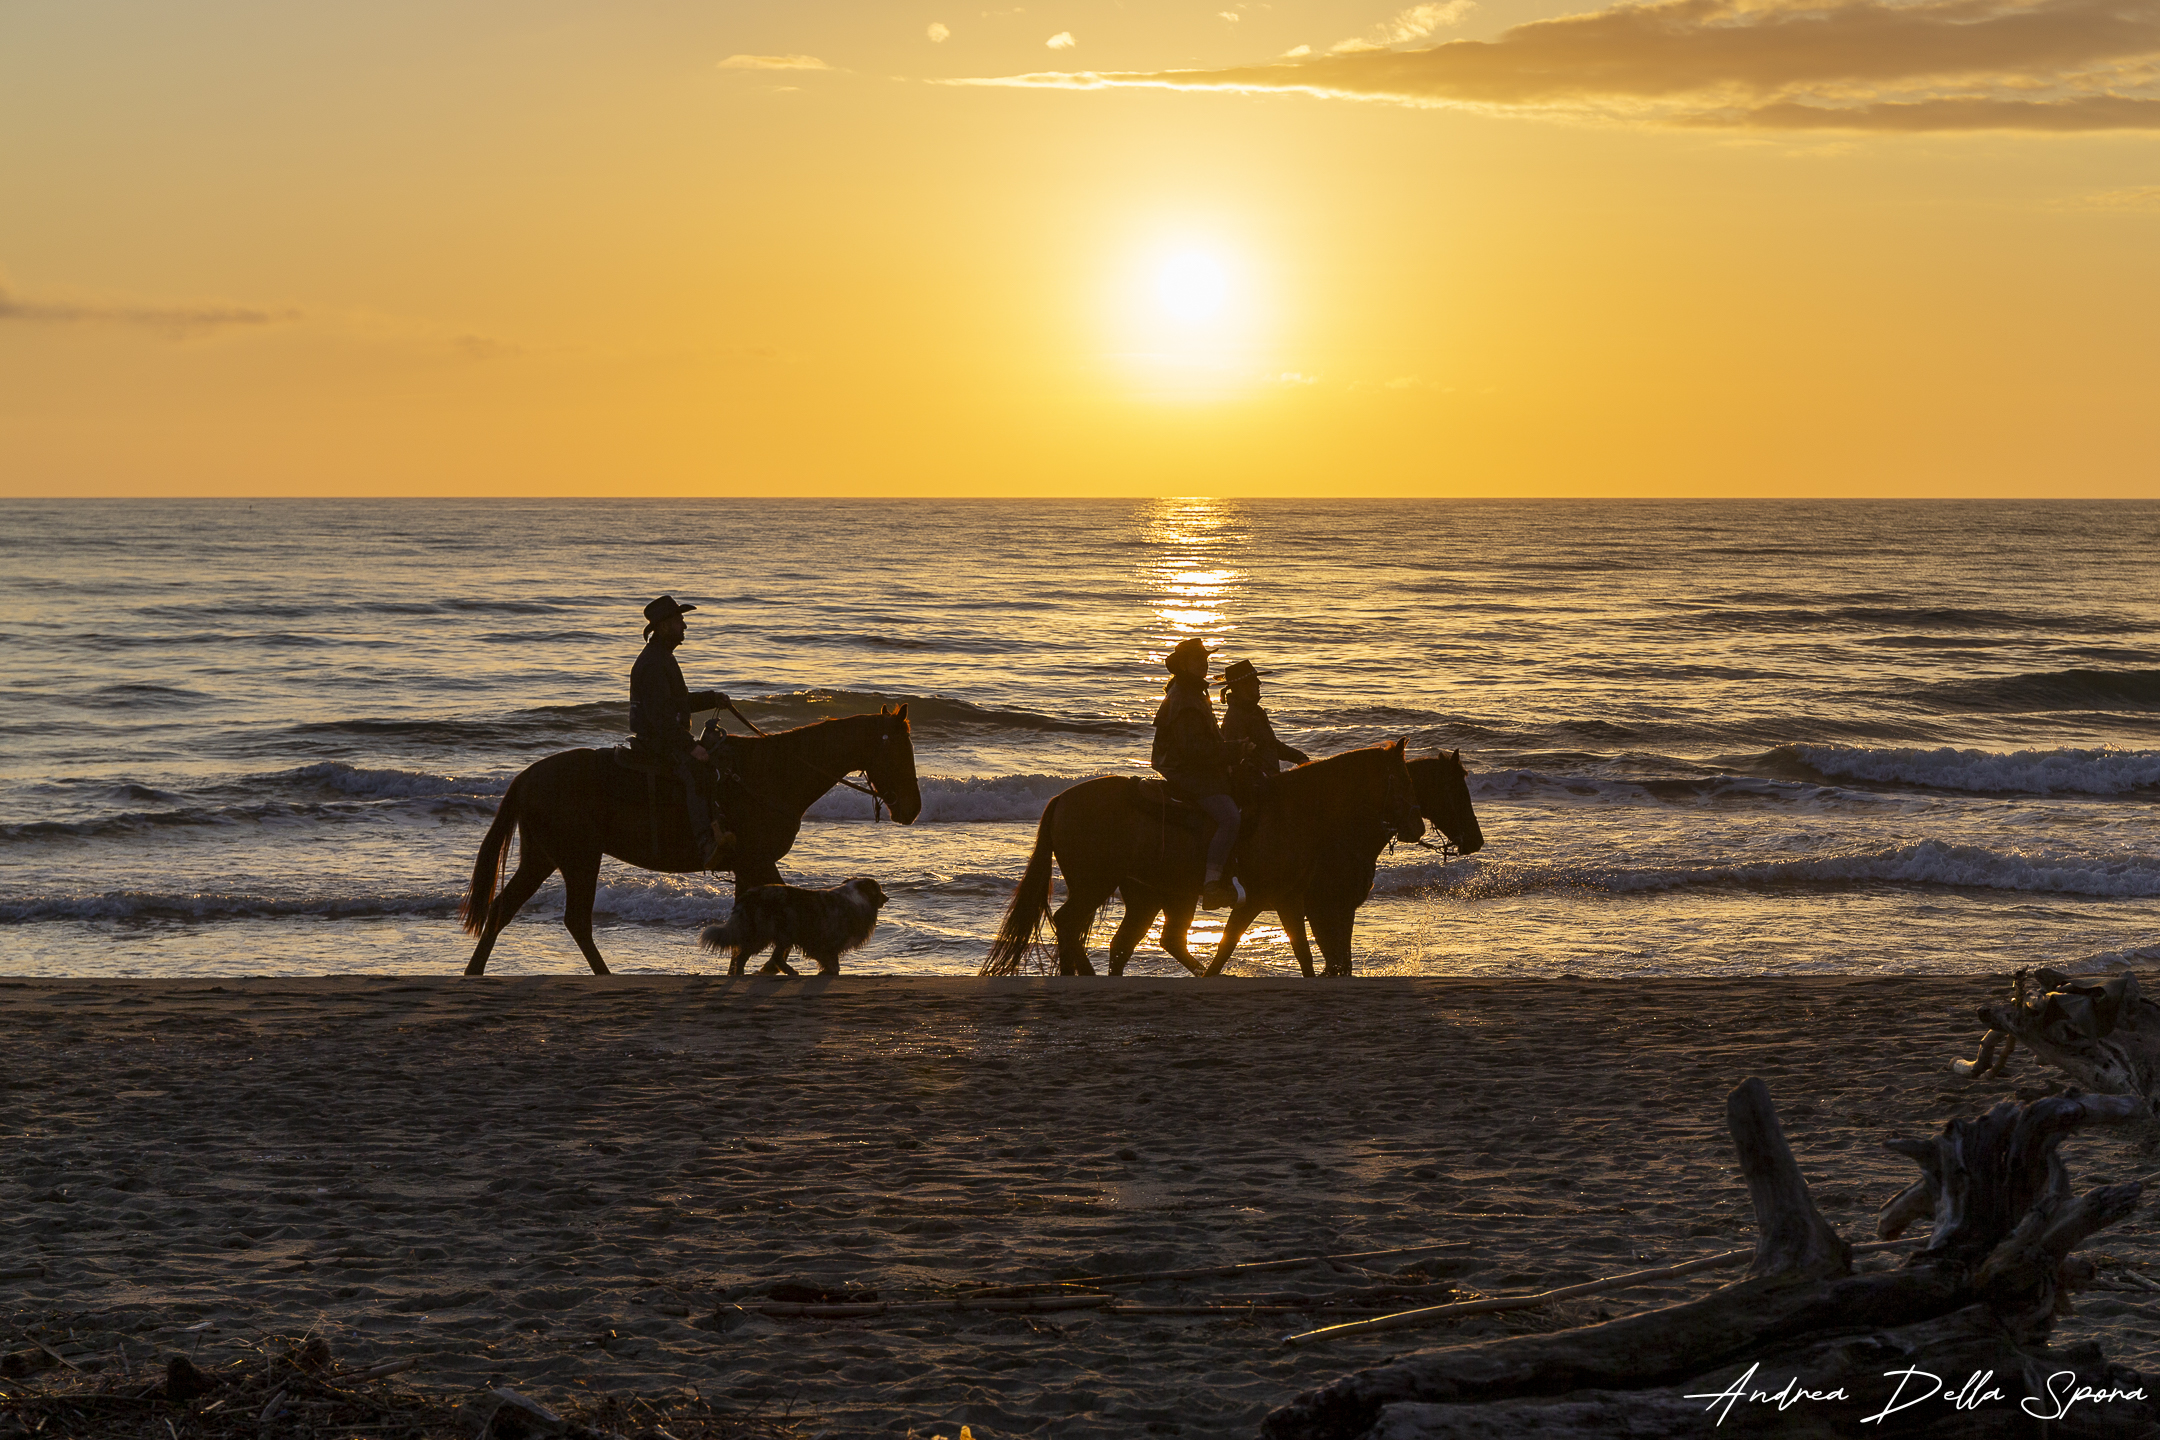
[[575, 806], [1443, 797], [1300, 853]]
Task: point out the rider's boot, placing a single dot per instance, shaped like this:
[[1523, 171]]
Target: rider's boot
[[1218, 893]]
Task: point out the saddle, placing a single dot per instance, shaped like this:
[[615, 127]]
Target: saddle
[[661, 793], [1153, 797]]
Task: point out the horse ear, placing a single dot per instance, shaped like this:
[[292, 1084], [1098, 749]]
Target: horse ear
[[1398, 746], [900, 711], [1456, 756]]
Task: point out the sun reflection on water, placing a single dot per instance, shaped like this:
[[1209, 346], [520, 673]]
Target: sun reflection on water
[[1189, 574]]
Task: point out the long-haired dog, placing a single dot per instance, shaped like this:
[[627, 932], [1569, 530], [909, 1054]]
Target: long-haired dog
[[823, 924]]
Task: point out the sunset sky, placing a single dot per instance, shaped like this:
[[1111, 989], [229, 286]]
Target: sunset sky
[[1509, 247]]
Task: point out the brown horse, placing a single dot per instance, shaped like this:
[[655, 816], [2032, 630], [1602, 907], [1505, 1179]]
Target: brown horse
[[1443, 797], [572, 808], [1300, 853]]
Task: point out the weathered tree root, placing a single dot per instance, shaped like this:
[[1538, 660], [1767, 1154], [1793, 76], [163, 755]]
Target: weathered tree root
[[2098, 1030], [1979, 1299]]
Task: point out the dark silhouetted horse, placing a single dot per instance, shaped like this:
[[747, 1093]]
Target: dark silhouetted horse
[[1308, 850], [572, 808], [1443, 796]]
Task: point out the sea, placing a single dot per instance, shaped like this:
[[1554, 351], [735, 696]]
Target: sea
[[1704, 738]]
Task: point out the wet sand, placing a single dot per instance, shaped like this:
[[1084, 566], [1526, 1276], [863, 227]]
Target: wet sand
[[564, 1183]]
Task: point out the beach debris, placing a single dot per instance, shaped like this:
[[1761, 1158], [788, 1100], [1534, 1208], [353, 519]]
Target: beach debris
[[1979, 1299], [1499, 1304], [183, 1382], [2099, 1030], [277, 1389]]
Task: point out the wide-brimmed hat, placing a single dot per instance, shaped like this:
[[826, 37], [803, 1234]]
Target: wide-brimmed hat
[[1240, 670], [665, 608], [1185, 649]]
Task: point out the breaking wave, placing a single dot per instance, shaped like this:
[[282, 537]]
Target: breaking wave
[[1929, 862], [2104, 771]]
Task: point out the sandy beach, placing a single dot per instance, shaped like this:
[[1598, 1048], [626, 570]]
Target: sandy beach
[[572, 1184]]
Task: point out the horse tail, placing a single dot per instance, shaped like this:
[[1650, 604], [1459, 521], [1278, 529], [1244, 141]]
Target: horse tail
[[494, 857], [1030, 903]]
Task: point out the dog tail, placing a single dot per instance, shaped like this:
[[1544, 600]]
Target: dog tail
[[727, 936], [1030, 903]]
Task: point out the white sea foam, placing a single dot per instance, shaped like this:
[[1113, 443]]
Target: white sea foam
[[381, 784], [2103, 771], [959, 801], [1929, 862]]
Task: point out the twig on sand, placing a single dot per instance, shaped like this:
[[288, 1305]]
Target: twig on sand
[[789, 1309], [1405, 1319], [1254, 1267]]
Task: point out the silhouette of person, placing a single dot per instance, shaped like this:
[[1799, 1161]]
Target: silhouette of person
[[1189, 753]]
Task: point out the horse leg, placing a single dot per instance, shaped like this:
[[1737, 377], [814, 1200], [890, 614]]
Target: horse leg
[[1139, 914], [1177, 919], [1293, 924], [581, 878], [534, 867], [1241, 915], [1332, 930], [1071, 921]]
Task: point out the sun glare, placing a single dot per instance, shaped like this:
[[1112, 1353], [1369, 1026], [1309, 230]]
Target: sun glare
[[1192, 287]]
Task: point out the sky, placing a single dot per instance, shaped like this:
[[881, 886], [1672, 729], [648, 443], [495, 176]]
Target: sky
[[1081, 248]]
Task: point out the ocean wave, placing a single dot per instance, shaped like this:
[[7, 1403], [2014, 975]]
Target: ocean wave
[[1928, 862], [929, 715], [2111, 960], [370, 783], [2103, 771], [959, 801], [643, 900], [2047, 691], [1703, 790]]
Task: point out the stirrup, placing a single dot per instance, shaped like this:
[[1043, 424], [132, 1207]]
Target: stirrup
[[723, 841], [1220, 893]]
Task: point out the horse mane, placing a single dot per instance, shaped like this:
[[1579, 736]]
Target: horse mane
[[1318, 772]]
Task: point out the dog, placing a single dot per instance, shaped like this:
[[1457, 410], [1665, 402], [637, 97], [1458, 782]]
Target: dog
[[823, 924]]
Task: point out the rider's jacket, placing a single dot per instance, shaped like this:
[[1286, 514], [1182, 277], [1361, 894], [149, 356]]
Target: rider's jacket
[[1251, 740], [661, 704], [1188, 747]]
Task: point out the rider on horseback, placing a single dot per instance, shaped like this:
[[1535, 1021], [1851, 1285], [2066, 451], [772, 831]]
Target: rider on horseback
[[1189, 753], [1255, 753], [660, 709]]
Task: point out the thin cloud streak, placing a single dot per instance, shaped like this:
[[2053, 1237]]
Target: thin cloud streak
[[173, 319], [773, 62], [2040, 65]]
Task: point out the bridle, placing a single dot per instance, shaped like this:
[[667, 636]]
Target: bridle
[[878, 803]]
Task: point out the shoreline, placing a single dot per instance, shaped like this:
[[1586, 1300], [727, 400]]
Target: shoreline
[[565, 1183]]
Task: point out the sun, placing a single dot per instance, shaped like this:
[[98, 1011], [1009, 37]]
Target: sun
[[1192, 287]]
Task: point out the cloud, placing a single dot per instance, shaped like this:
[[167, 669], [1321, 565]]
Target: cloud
[[1061, 41], [1865, 65], [2139, 198], [1419, 21], [1231, 15], [177, 321], [773, 62], [938, 33]]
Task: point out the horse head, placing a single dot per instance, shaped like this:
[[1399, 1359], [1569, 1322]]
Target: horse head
[[1399, 802], [891, 766], [1443, 794]]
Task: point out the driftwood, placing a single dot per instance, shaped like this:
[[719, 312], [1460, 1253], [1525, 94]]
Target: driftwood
[[1498, 1304], [1977, 1301], [2097, 1029]]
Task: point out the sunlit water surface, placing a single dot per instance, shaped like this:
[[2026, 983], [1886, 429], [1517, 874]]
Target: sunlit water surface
[[1714, 738]]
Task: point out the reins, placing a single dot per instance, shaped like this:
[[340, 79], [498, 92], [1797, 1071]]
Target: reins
[[878, 806]]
